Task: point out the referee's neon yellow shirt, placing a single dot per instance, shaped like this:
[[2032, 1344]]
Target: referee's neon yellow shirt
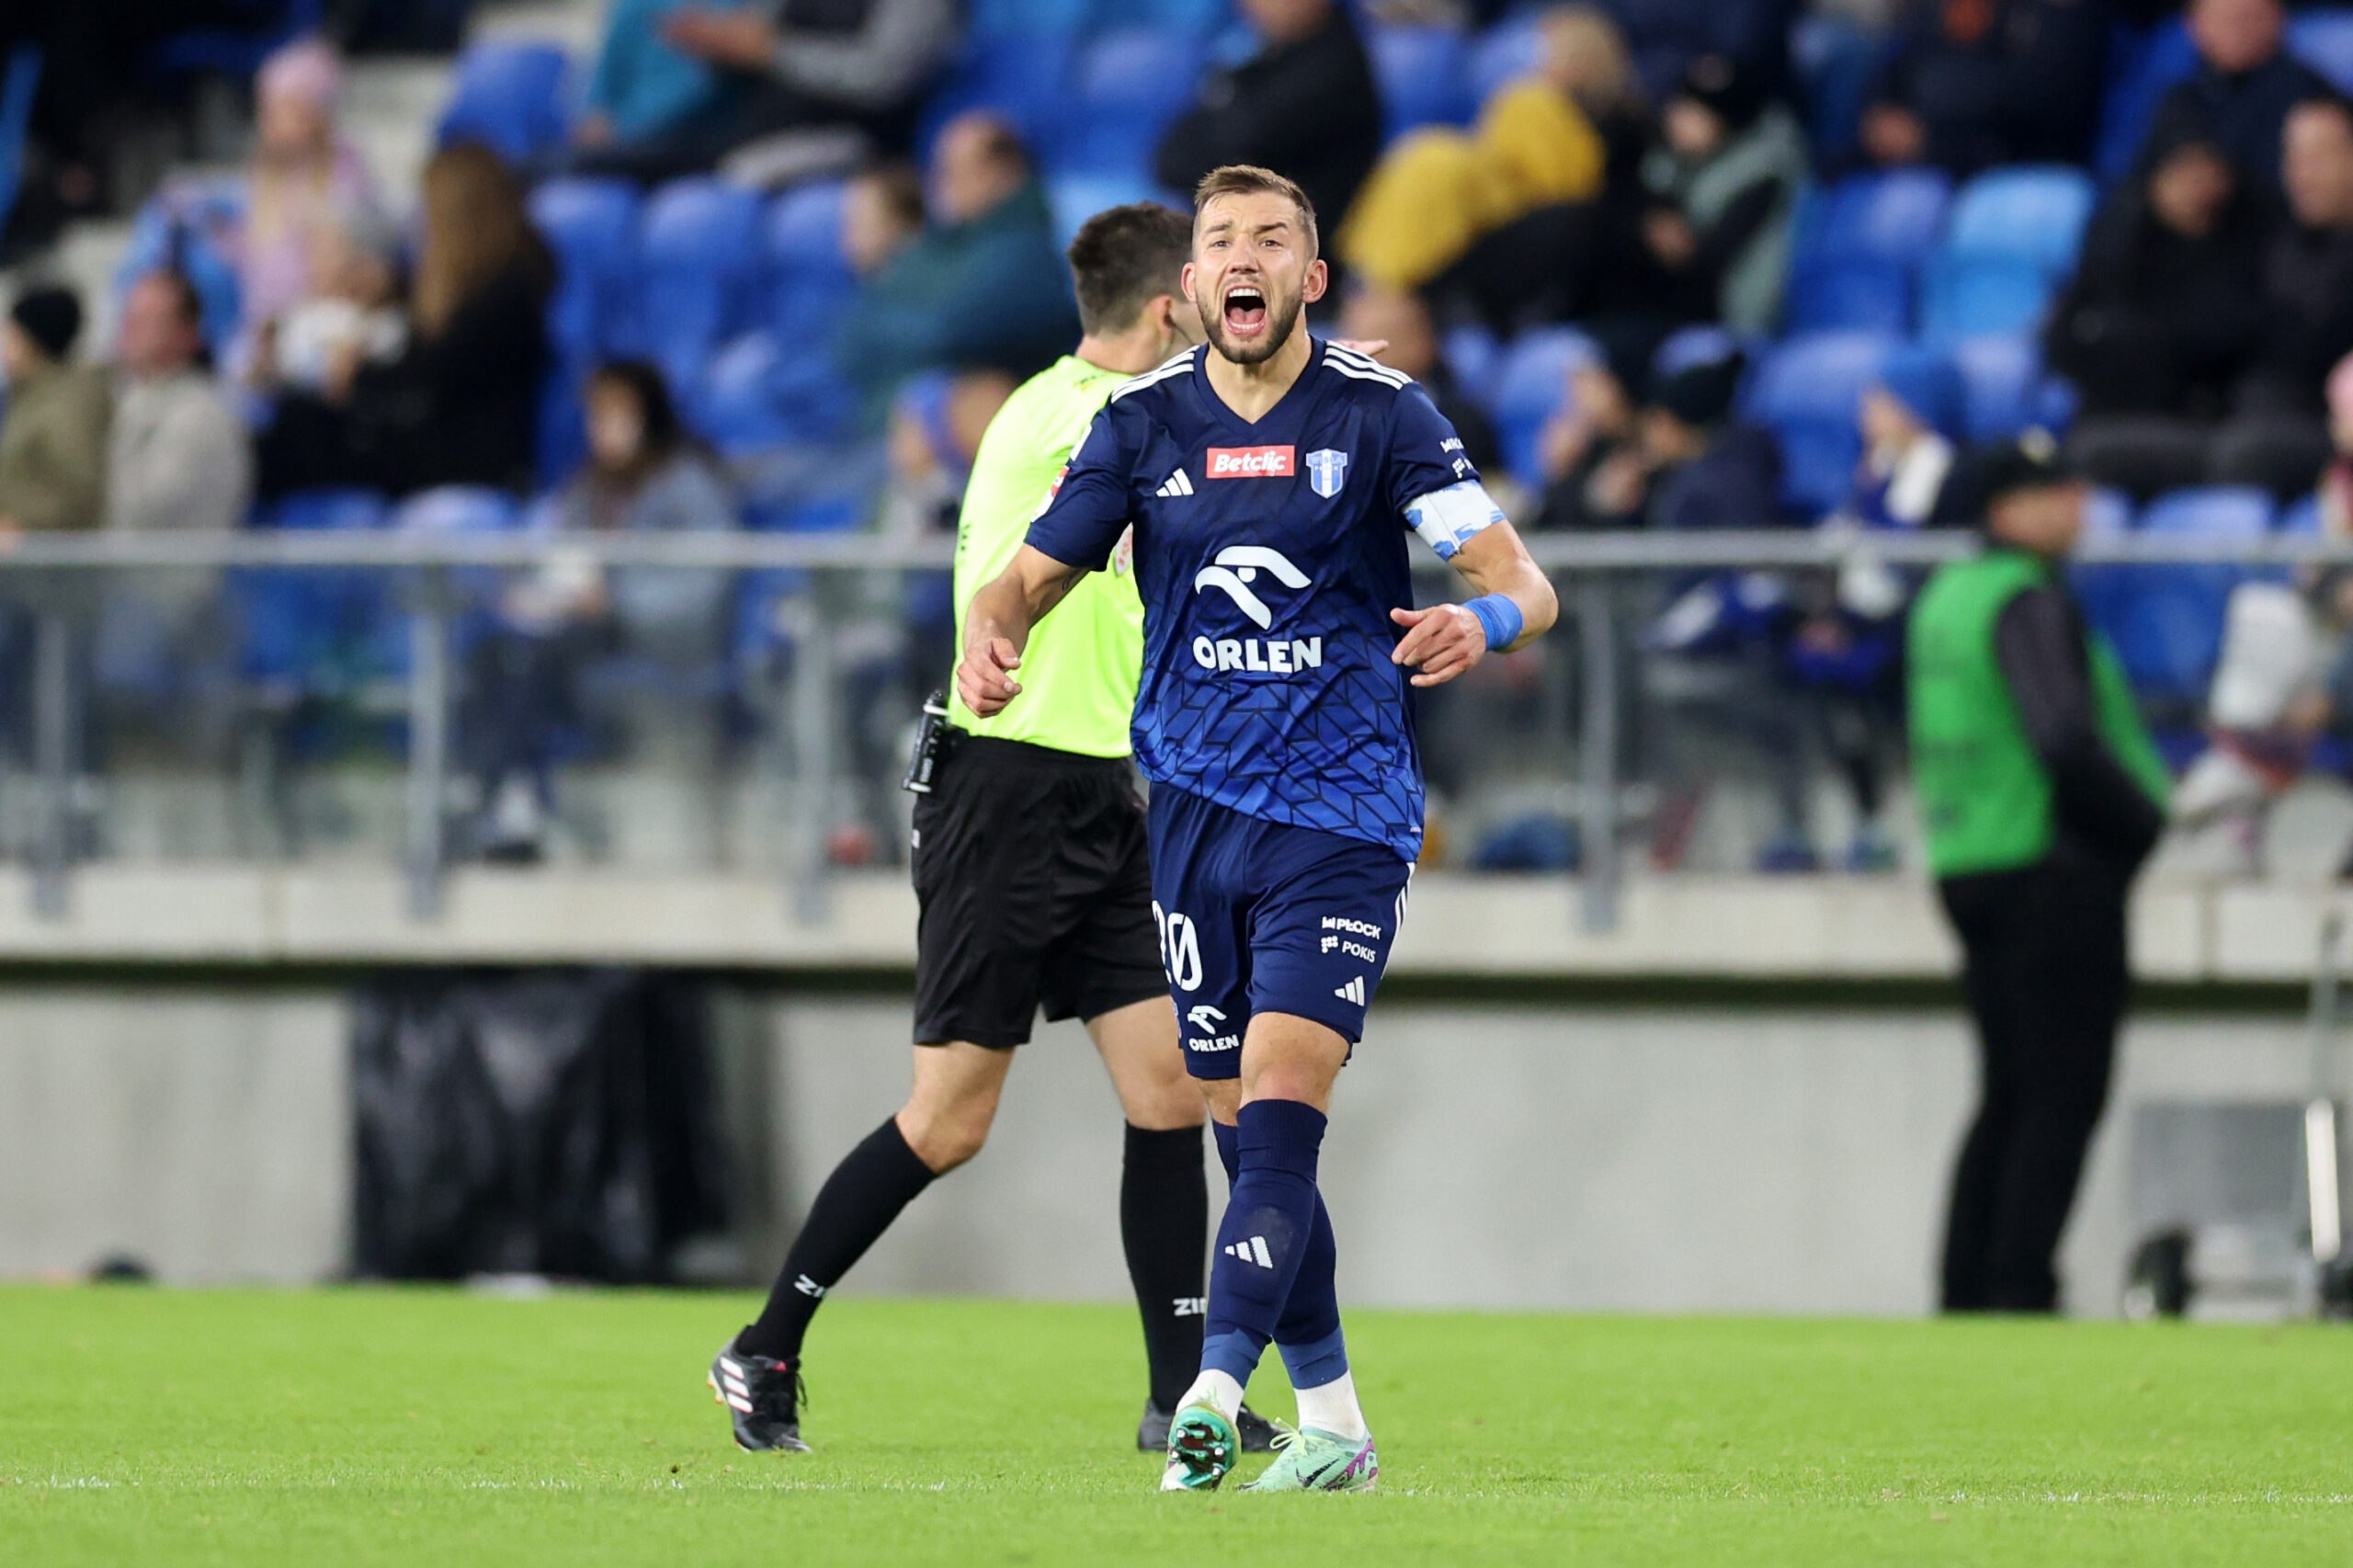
[[1078, 675]]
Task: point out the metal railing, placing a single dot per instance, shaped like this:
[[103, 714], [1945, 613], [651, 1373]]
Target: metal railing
[[1581, 565]]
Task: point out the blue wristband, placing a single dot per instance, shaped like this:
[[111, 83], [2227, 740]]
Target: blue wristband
[[1500, 616]]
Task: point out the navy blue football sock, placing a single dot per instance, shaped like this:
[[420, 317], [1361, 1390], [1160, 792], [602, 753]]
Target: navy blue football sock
[[1270, 1223], [1308, 1334], [1228, 1150]]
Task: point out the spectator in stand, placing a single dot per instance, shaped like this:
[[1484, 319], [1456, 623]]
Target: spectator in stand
[[1595, 474], [357, 317], [177, 456], [305, 185], [2160, 319], [984, 287], [844, 77], [1971, 86], [643, 474], [53, 437], [2240, 95], [1842, 655], [459, 405], [1572, 131], [641, 89], [2277, 437], [1723, 185], [1305, 105], [1403, 321], [881, 215]]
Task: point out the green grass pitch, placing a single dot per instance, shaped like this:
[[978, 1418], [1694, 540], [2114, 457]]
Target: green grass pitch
[[418, 1426]]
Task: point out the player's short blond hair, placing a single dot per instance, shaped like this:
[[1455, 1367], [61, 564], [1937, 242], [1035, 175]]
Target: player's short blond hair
[[1248, 179]]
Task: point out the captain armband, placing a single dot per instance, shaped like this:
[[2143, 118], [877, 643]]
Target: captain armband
[[1447, 519]]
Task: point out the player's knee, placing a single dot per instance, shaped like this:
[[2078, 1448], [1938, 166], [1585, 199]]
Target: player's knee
[[946, 1136]]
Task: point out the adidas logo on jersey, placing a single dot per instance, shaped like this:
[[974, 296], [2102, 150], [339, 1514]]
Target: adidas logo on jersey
[[1352, 992], [1178, 484], [1252, 1251]]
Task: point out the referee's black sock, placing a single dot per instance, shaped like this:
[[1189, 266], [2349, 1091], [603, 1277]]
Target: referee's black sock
[[857, 1204], [1165, 1226]]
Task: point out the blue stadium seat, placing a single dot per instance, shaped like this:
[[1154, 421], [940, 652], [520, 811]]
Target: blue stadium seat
[[592, 226], [1127, 86], [1859, 246], [2167, 621], [512, 98], [2300, 517], [457, 510], [1507, 50], [1422, 72], [2323, 41], [809, 281], [758, 394], [2141, 67], [299, 626], [2011, 241], [1023, 76], [700, 271], [1076, 198], [1833, 59], [562, 438], [1806, 390], [1028, 18], [1200, 19], [1472, 353], [1691, 345], [2007, 390], [1531, 383]]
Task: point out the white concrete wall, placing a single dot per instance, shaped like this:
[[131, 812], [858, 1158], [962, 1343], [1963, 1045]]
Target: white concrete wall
[[1630, 1158]]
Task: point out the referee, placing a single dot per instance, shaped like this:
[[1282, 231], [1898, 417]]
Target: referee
[[1032, 874]]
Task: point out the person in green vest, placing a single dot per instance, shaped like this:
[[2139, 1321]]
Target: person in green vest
[[2042, 796]]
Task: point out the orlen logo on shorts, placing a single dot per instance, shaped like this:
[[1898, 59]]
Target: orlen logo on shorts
[[1252, 462]]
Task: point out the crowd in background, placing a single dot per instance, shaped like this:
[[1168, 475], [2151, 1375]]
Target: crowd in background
[[1642, 177]]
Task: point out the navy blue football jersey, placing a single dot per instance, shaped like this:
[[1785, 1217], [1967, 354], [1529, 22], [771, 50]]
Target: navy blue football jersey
[[1269, 556]]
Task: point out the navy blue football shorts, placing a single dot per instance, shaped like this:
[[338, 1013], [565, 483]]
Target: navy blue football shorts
[[1257, 916]]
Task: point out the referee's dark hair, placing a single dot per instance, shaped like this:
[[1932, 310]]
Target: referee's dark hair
[[1123, 257]]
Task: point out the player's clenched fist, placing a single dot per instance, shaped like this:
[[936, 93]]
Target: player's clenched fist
[[1442, 642], [985, 680]]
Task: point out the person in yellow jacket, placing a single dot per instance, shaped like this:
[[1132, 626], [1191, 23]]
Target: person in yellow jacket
[[1540, 141]]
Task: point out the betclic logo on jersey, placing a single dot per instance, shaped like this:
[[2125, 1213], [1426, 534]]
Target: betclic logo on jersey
[[1252, 462]]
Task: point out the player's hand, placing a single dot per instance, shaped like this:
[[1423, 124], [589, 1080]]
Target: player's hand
[[985, 680], [1371, 347], [1442, 642]]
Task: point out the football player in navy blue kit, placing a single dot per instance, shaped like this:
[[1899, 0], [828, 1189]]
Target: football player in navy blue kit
[[1270, 481]]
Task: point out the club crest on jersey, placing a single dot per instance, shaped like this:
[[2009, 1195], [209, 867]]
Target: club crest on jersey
[[1327, 471], [1252, 462]]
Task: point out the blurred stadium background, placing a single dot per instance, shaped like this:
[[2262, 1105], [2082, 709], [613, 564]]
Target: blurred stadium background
[[330, 894]]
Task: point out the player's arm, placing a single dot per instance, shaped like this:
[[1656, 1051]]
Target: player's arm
[[1514, 605], [997, 626]]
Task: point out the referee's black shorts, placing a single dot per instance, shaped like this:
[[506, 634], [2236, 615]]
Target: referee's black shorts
[[1035, 882]]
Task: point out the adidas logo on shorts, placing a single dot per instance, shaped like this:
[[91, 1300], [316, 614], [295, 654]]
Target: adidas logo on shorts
[[1352, 992]]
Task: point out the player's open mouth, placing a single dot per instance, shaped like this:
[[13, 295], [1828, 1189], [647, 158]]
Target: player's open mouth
[[1245, 311]]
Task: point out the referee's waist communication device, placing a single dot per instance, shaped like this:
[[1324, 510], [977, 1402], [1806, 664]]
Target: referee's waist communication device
[[931, 736]]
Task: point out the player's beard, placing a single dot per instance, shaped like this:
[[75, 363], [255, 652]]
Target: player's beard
[[1280, 327]]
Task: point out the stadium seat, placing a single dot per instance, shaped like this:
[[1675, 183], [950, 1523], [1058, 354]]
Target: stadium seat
[[592, 226], [1200, 19], [1422, 74], [2007, 387], [1028, 18], [511, 97], [1024, 77], [1530, 381], [456, 510], [1471, 352], [1859, 246], [808, 282], [1833, 59], [2012, 240], [1510, 49], [2166, 620], [1692, 346], [2323, 41], [298, 625], [1127, 86], [756, 393], [700, 271], [2300, 517], [562, 439], [1806, 391], [1076, 198], [2141, 67]]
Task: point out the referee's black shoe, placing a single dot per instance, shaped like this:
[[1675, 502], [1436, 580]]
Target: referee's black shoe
[[1257, 1433], [763, 1400]]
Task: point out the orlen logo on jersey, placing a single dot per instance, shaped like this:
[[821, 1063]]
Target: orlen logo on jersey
[[1234, 574], [1252, 462]]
